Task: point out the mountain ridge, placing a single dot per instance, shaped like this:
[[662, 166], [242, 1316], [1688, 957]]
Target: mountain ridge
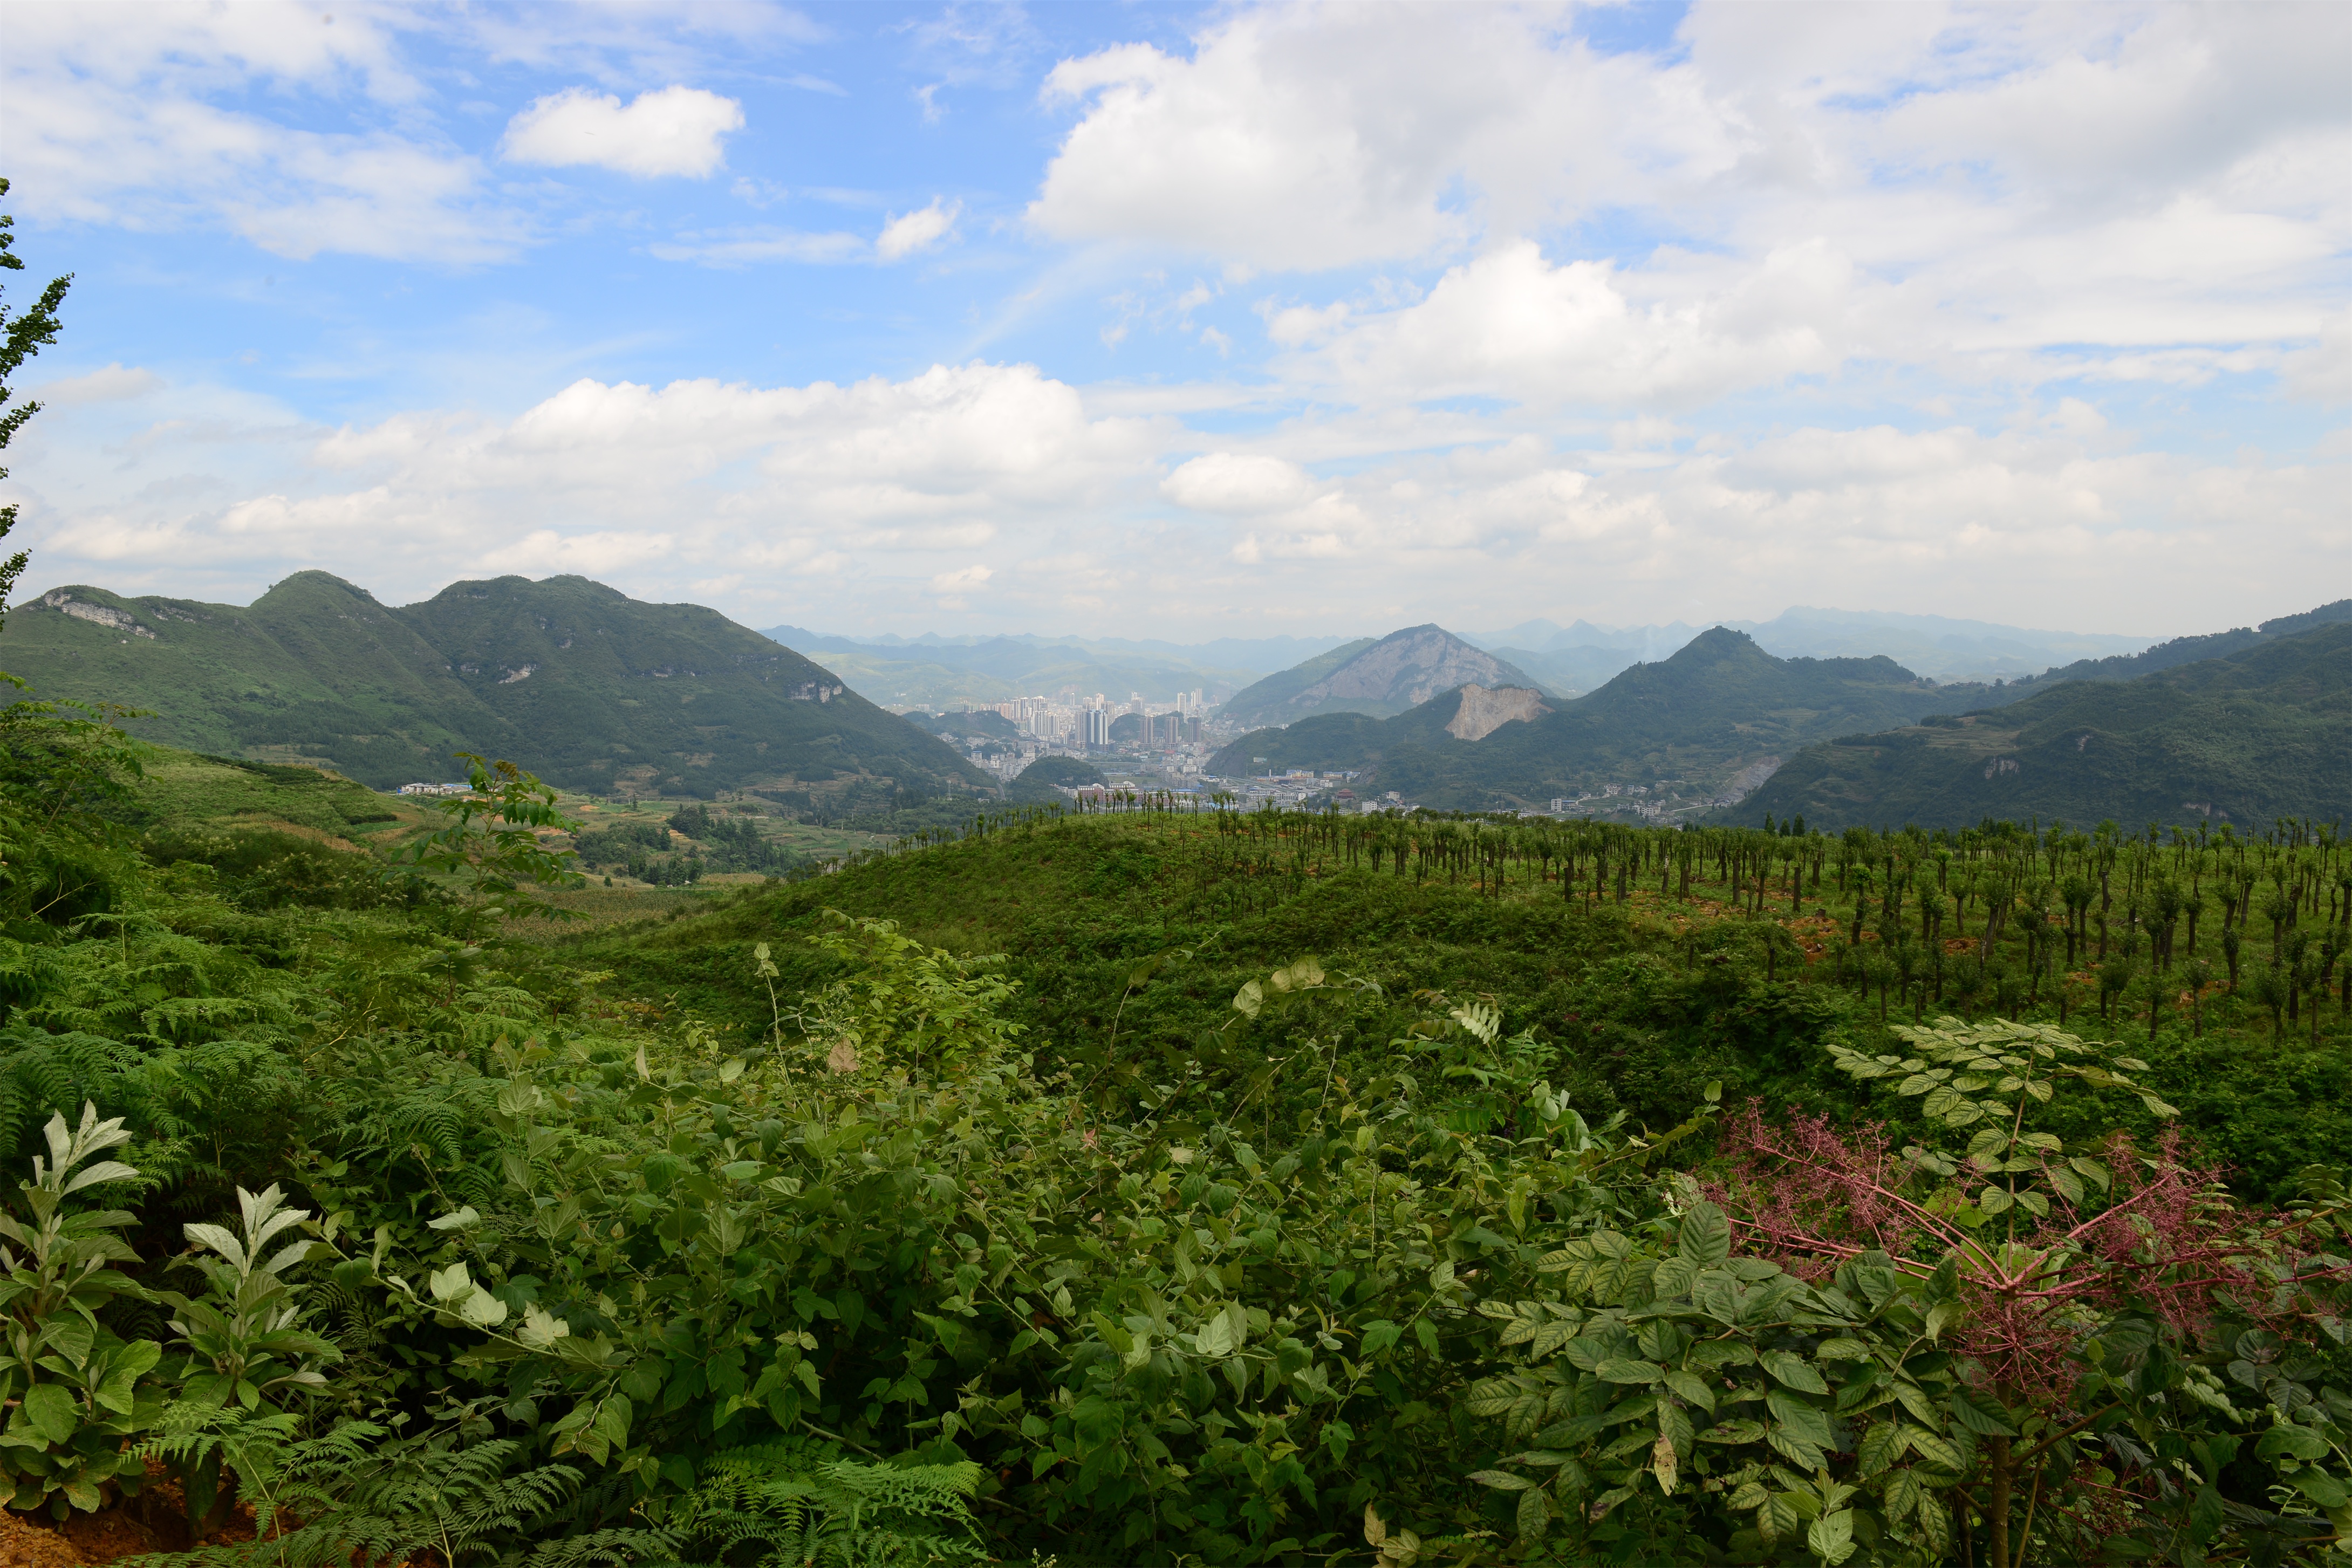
[[1383, 676], [1685, 727], [2260, 731], [568, 677]]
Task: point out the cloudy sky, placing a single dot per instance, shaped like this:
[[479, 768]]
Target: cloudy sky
[[1187, 321]]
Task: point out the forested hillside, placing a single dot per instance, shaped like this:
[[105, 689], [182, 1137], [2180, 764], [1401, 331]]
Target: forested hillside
[[2182, 651], [2259, 734], [591, 689]]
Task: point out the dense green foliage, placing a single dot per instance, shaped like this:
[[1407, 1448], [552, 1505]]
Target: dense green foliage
[[607, 693], [25, 331], [2251, 735], [1053, 1216], [679, 849]]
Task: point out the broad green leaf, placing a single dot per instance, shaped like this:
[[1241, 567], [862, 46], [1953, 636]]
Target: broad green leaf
[[1705, 1238], [1534, 1516], [1691, 1388], [50, 1411], [1617, 1369], [1831, 1536], [1793, 1370], [1933, 1448], [482, 1310], [1880, 1446], [1501, 1480], [1981, 1415], [1801, 1420], [1740, 1431], [2294, 1442]]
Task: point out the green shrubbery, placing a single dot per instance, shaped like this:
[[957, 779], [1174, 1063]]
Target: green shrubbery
[[1121, 1244]]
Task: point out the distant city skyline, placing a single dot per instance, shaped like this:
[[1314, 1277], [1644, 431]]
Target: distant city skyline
[[1188, 322]]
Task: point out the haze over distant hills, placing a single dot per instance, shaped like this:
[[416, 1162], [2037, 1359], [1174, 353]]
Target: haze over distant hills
[[567, 677], [1580, 656], [2263, 729], [948, 672], [1696, 727], [1382, 677], [936, 671]]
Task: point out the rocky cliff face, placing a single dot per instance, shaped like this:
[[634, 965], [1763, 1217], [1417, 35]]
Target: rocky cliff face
[[1483, 711], [1402, 671]]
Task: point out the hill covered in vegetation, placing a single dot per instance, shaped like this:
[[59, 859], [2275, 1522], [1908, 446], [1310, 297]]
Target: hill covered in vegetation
[[588, 687], [1682, 729], [2258, 733]]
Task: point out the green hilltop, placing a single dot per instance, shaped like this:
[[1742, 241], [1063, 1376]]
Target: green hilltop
[[580, 684], [2259, 733]]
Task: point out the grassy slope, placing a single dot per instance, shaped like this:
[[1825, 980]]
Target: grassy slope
[[1649, 1018], [183, 790], [1716, 705], [2261, 733], [659, 698]]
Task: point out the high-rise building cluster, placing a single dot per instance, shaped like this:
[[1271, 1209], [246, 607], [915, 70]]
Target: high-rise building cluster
[[1087, 721]]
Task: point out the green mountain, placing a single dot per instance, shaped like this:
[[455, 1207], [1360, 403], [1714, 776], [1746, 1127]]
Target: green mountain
[[2258, 733], [1397, 672], [585, 687], [1044, 780], [1688, 731], [2178, 652]]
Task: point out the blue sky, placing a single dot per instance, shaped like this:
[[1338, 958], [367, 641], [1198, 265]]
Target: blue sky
[[1183, 322]]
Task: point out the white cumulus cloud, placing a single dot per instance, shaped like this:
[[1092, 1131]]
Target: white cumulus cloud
[[1238, 484], [676, 130], [906, 233]]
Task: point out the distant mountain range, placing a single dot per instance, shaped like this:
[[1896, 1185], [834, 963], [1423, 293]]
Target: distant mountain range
[[588, 688], [1379, 677], [1689, 731], [940, 672], [1722, 729], [2262, 731], [951, 674], [1581, 656]]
